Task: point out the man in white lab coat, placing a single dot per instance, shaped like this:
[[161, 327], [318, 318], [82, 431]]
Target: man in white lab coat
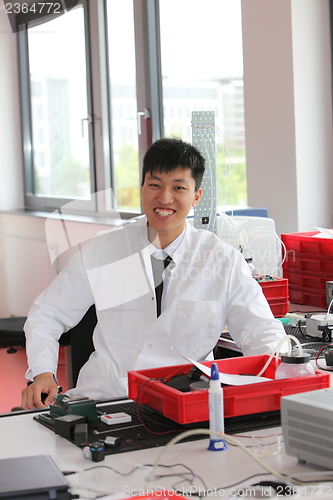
[[206, 284]]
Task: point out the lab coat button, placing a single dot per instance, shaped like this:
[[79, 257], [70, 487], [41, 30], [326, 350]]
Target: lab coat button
[[150, 345]]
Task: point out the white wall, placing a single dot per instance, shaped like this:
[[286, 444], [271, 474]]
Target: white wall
[[288, 113], [11, 182]]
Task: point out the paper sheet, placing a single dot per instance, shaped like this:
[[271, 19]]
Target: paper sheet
[[323, 233], [231, 379]]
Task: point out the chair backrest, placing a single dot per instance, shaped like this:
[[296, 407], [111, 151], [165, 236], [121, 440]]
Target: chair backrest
[[81, 341]]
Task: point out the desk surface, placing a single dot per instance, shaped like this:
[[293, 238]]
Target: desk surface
[[22, 436]]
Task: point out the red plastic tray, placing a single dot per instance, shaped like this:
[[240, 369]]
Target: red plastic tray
[[277, 295], [306, 244], [279, 307], [306, 279], [309, 263], [275, 289], [300, 295], [189, 407]]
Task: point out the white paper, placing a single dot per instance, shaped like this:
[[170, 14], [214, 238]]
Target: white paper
[[323, 233], [231, 379]]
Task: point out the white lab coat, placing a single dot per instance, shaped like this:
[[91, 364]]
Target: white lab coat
[[209, 285]]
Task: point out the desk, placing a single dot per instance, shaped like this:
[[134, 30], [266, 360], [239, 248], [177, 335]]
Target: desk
[[22, 436]]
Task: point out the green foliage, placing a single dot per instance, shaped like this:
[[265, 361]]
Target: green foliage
[[127, 178], [71, 178], [231, 177]]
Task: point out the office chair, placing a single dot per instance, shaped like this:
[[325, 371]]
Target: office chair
[[12, 334], [81, 344], [79, 339]]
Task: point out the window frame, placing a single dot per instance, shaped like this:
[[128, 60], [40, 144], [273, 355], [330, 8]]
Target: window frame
[[149, 98], [31, 200]]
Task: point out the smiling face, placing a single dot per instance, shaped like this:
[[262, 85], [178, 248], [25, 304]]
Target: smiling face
[[166, 201]]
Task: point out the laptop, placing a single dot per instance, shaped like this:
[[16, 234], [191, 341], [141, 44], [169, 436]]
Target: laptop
[[30, 478]]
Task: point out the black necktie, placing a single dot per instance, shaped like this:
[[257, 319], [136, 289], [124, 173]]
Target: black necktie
[[158, 266]]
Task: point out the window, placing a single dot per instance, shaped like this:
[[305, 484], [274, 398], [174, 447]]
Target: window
[[60, 164], [100, 83], [202, 70], [123, 104]]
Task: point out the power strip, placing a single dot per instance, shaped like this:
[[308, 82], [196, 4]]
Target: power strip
[[316, 321]]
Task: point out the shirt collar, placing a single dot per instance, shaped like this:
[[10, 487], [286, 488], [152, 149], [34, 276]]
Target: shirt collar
[[169, 250]]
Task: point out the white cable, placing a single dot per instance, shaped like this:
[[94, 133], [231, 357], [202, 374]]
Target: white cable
[[232, 440], [276, 352], [329, 307]]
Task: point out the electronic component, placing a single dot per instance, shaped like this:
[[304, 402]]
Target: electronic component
[[306, 420], [80, 433], [94, 451], [112, 441], [329, 357], [329, 292], [116, 418], [65, 426], [320, 325], [64, 405]]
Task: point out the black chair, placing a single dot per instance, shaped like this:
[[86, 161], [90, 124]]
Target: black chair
[[12, 334], [81, 342], [78, 338]]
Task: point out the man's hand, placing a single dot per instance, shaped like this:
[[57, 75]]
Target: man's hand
[[31, 395]]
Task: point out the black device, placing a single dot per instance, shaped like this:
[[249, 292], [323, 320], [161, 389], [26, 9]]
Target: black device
[[182, 382], [329, 357], [94, 451], [32, 477]]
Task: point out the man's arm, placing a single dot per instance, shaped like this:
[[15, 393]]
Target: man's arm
[[59, 308], [250, 320], [31, 396]]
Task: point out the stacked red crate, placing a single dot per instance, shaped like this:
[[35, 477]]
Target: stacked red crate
[[276, 291], [308, 265]]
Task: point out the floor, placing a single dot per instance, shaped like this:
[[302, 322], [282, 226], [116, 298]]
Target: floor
[[12, 369]]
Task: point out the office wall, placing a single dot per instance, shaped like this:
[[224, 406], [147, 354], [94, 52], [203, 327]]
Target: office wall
[[288, 111], [288, 121], [11, 181]]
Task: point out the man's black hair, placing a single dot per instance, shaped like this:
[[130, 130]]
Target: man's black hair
[[168, 154]]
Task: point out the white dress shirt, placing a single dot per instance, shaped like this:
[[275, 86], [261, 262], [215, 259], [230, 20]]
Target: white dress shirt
[[209, 285]]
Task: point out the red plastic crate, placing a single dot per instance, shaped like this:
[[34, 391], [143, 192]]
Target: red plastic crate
[[279, 307], [306, 244], [277, 295], [189, 407], [275, 289], [300, 295], [308, 265], [308, 280]]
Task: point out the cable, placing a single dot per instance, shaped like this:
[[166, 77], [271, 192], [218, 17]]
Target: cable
[[277, 351], [317, 357], [329, 307], [185, 434], [243, 480], [139, 403]]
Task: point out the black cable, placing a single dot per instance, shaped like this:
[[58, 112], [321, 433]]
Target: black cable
[[317, 357], [243, 480]]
